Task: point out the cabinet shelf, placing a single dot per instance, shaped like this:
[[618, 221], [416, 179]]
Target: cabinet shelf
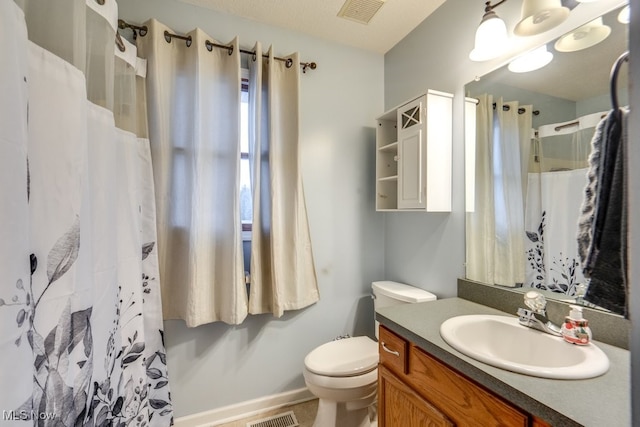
[[389, 147], [388, 178]]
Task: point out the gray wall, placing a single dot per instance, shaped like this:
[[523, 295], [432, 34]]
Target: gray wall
[[217, 365]]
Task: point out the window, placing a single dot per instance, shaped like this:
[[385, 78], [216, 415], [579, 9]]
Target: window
[[246, 196]]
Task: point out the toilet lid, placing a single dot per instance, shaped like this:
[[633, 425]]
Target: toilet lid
[[343, 358]]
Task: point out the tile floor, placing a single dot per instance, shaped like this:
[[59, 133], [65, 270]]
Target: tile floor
[[305, 414]]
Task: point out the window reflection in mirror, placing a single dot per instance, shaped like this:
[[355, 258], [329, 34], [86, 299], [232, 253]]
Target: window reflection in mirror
[[533, 136]]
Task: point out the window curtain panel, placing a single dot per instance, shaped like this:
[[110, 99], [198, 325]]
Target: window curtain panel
[[83, 339], [282, 269], [480, 224], [556, 192], [194, 128], [495, 249]]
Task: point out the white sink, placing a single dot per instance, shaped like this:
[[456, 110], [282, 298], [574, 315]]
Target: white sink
[[502, 342]]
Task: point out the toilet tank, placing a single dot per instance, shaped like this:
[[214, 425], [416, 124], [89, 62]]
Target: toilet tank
[[387, 293]]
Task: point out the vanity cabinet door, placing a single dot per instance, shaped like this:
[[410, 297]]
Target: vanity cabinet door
[[461, 399], [415, 390], [400, 406]]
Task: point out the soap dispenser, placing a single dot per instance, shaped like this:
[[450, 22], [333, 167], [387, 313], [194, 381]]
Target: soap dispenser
[[575, 329]]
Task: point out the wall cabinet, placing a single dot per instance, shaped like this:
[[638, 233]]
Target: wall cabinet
[[413, 155], [415, 390]]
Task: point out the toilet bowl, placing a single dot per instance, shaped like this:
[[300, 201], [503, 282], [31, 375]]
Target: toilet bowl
[[343, 374]]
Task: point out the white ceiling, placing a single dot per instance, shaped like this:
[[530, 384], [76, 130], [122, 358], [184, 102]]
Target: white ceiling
[[394, 20]]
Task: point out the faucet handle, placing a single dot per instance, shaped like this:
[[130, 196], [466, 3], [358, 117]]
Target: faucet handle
[[525, 316], [535, 301]]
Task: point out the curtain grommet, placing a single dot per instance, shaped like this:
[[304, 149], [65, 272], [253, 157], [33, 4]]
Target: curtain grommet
[[120, 43], [289, 62]]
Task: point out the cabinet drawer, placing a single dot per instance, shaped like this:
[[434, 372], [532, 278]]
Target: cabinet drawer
[[459, 398], [393, 351]]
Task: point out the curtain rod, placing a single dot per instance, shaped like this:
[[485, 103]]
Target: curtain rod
[[520, 110], [576, 123], [142, 30]]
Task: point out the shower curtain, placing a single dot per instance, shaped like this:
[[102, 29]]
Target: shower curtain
[[82, 340], [555, 193]]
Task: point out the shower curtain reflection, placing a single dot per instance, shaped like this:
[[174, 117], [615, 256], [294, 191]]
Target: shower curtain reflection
[[556, 182]]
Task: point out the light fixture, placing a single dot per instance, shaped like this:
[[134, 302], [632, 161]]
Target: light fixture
[[583, 37], [624, 15], [531, 61], [539, 16], [491, 36]]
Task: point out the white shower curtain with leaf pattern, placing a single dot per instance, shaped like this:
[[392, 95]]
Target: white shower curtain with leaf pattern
[[556, 192], [82, 340]]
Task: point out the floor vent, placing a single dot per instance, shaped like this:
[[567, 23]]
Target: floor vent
[[360, 10], [287, 419]]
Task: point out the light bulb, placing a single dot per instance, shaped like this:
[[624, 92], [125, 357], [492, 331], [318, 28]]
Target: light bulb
[[624, 15], [531, 61], [491, 38]]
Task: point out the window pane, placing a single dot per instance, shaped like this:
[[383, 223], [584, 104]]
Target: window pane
[[246, 214], [244, 121], [246, 210]]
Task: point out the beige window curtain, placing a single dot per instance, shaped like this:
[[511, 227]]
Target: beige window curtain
[[495, 231], [282, 268], [194, 128], [194, 100]]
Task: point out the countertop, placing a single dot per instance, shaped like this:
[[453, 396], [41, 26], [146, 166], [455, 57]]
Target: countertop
[[600, 401]]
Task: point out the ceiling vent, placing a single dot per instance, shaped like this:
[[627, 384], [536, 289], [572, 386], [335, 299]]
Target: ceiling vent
[[360, 10]]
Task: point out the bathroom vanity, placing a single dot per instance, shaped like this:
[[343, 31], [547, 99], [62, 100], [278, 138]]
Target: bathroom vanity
[[424, 382]]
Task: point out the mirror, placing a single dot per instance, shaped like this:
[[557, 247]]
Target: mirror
[[533, 189]]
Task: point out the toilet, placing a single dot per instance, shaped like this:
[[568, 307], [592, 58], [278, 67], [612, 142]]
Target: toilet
[[343, 374]]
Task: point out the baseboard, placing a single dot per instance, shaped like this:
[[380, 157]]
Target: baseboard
[[241, 410]]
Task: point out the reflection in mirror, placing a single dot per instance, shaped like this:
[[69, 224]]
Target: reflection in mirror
[[533, 135]]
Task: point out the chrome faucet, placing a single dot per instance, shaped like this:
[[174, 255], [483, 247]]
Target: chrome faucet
[[536, 316]]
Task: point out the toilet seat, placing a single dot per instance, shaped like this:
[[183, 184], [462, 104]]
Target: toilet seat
[[336, 384], [343, 358]]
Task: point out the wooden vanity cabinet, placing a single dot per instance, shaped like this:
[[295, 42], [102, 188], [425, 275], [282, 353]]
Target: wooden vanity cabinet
[[416, 390]]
